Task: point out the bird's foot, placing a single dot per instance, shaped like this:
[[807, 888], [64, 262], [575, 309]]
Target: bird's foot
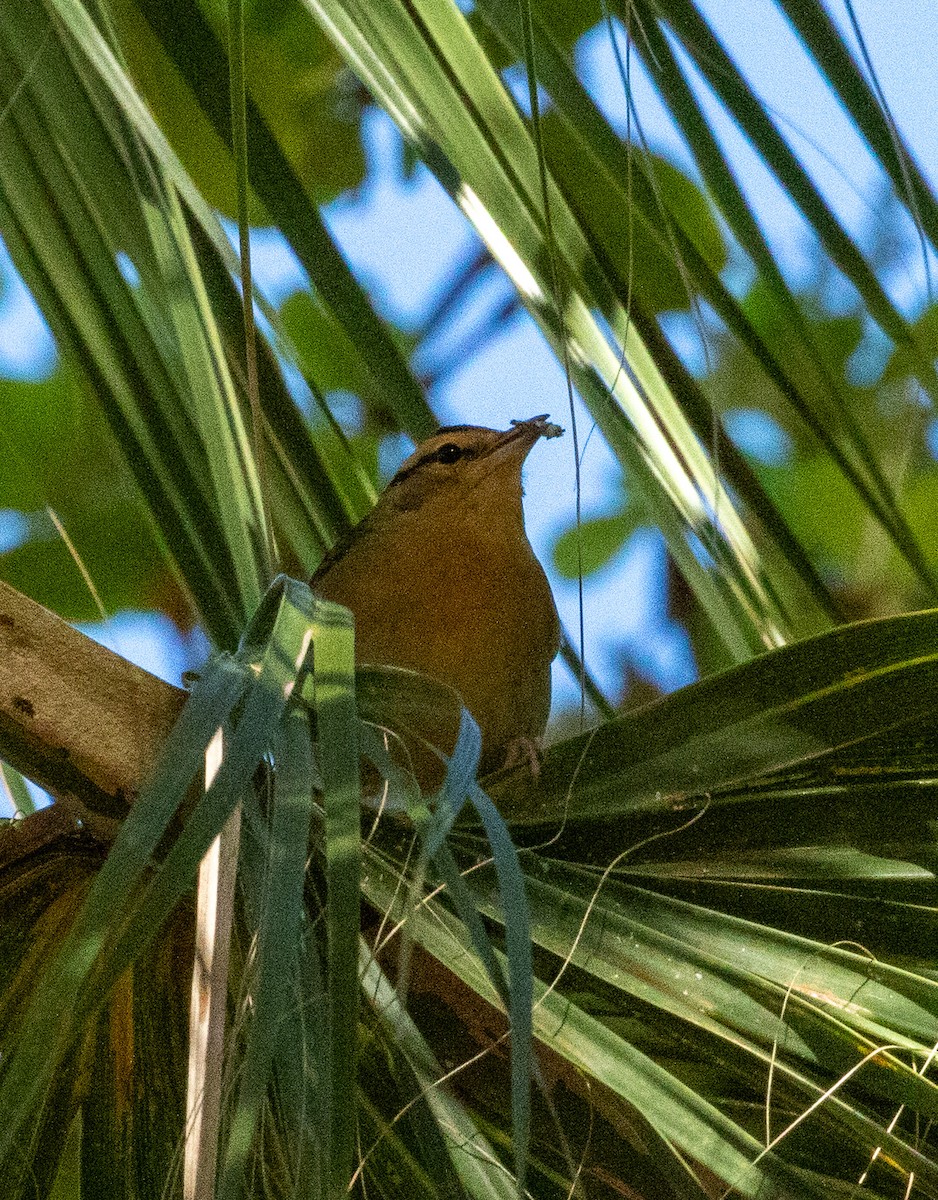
[[525, 750]]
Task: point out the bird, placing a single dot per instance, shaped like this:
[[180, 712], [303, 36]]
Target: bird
[[441, 579]]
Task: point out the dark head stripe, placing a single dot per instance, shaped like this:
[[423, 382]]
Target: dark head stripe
[[406, 474], [433, 455]]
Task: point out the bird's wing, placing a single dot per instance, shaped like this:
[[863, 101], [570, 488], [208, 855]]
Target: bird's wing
[[339, 550]]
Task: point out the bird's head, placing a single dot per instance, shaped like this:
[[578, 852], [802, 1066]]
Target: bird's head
[[468, 466]]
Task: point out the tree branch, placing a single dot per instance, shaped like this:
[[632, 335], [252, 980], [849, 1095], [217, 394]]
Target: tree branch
[[77, 719]]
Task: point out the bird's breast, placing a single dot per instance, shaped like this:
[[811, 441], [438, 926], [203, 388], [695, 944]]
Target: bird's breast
[[474, 613]]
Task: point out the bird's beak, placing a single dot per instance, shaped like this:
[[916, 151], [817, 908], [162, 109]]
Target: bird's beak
[[517, 441]]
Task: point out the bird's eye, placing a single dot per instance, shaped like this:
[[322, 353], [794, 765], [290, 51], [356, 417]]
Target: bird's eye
[[449, 453]]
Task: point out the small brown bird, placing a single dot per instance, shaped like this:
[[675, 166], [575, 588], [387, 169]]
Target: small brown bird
[[441, 579]]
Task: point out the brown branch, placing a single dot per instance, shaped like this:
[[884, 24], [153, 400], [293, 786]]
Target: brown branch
[[77, 719]]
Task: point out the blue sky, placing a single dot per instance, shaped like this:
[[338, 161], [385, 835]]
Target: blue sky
[[403, 237]]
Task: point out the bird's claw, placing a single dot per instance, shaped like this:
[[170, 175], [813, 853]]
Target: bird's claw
[[525, 750]]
